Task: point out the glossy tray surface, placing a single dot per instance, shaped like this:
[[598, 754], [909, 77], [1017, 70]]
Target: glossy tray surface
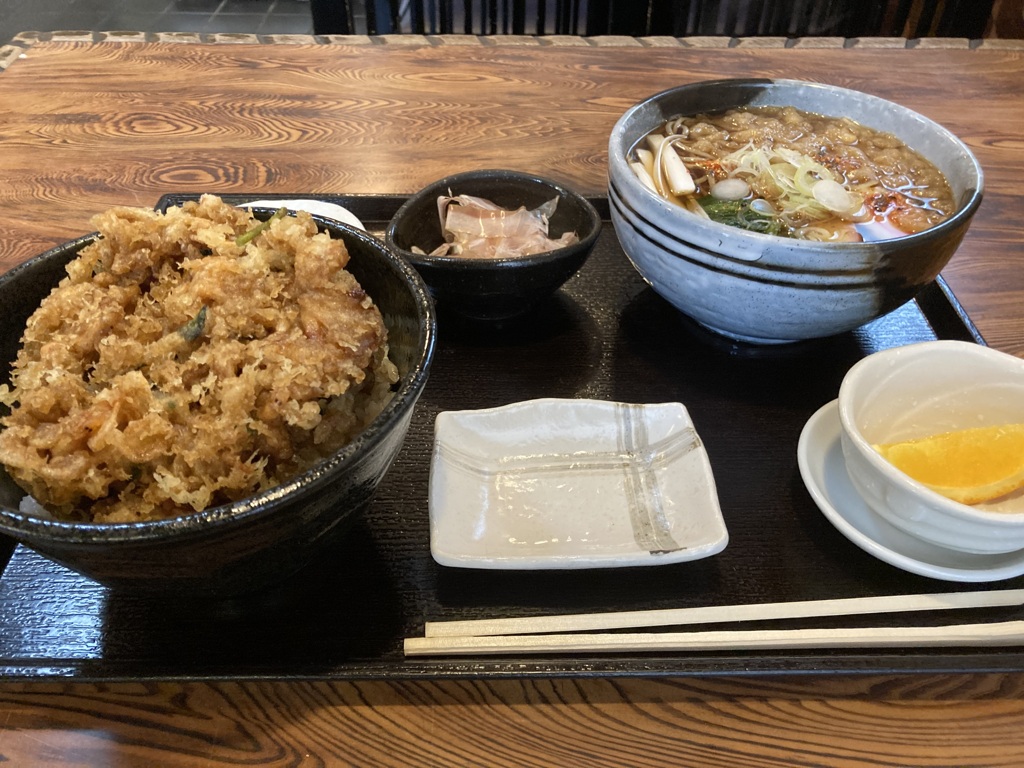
[[607, 336]]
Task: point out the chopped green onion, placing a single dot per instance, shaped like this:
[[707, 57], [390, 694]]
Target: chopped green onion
[[191, 330], [248, 236]]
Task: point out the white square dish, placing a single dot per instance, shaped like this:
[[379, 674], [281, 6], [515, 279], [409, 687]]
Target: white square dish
[[556, 483]]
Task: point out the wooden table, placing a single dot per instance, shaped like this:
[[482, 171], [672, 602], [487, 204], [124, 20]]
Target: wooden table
[[89, 121]]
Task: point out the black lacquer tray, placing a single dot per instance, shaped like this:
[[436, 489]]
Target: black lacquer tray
[[605, 335]]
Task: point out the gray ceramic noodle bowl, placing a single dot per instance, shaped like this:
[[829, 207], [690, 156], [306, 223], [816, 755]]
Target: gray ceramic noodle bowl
[[767, 289], [253, 543]]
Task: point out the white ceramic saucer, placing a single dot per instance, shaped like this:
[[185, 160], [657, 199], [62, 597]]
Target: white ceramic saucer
[[820, 457]]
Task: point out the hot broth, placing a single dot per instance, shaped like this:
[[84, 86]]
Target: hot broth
[[786, 172]]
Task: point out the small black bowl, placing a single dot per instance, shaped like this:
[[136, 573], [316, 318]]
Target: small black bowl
[[494, 289], [243, 546]]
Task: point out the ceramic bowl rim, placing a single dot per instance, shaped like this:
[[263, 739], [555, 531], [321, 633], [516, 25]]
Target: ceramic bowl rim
[[942, 504], [19, 524], [457, 263], [966, 208]]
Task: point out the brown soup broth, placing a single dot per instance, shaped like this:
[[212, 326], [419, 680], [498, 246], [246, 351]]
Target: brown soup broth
[[895, 190]]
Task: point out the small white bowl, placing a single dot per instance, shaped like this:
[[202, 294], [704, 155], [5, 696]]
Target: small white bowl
[[920, 390], [567, 483]]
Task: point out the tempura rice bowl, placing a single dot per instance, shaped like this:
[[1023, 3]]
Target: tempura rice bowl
[[245, 545], [762, 288]]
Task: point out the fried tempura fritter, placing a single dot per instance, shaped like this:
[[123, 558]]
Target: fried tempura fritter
[[180, 365]]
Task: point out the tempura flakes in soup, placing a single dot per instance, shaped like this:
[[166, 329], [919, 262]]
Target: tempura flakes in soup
[[189, 359], [783, 171]]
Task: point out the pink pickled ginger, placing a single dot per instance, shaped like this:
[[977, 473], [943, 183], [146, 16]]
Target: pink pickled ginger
[[479, 229]]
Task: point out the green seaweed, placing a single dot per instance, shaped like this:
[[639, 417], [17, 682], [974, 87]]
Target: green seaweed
[[738, 213]]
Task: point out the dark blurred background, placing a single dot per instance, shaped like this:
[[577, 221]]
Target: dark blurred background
[[845, 18]]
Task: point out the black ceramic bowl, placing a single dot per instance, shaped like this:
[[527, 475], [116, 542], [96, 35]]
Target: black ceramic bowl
[[494, 289], [249, 544]]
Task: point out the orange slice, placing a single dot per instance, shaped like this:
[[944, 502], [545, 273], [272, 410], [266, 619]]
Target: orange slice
[[969, 465]]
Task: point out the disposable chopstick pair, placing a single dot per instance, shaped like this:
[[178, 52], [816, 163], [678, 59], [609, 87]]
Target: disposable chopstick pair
[[1008, 633], [565, 633]]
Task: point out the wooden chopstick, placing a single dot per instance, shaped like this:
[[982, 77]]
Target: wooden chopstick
[[1009, 633], [584, 622]]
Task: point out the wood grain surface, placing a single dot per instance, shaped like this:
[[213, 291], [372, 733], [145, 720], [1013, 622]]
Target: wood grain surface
[[87, 125], [729, 723]]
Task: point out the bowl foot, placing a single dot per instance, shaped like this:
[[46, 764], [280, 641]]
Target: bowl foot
[[745, 339]]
